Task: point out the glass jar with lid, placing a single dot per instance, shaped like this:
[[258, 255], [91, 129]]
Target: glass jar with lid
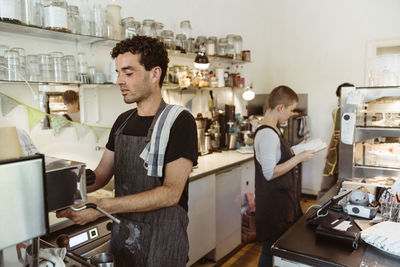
[[222, 43], [200, 40], [230, 38], [10, 11], [55, 15], [73, 19], [190, 45], [211, 47], [148, 28], [237, 44], [180, 42], [129, 27], [186, 28], [168, 39]]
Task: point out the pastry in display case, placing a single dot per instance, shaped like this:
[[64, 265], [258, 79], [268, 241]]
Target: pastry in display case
[[382, 112]]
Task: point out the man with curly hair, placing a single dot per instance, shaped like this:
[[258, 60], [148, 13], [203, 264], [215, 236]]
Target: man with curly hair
[[151, 157]]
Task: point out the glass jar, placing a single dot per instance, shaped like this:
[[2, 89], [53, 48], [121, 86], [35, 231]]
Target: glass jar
[[190, 45], [99, 21], [10, 11], [230, 51], [22, 60], [222, 43], [186, 28], [28, 12], [58, 66], [55, 15], [3, 68], [130, 27], [148, 28], [70, 69], [230, 38], [113, 19], [237, 44], [180, 42], [73, 19], [211, 47], [168, 39], [12, 63], [201, 40], [46, 67], [158, 26], [33, 69]]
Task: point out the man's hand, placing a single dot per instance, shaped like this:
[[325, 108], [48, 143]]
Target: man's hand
[[84, 216]]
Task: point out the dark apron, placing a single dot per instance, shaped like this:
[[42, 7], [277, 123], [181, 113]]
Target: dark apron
[[153, 238], [277, 200]]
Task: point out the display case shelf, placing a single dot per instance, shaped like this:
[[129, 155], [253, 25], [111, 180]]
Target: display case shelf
[[370, 171], [366, 133]]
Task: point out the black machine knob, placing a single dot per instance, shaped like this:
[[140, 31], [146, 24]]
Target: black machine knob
[[109, 226]]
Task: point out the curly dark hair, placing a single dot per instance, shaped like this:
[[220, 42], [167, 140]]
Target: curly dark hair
[[151, 50]]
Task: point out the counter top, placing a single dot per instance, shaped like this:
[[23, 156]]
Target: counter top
[[300, 244], [218, 161]]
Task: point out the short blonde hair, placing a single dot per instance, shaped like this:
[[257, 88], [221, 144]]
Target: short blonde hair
[[282, 95]]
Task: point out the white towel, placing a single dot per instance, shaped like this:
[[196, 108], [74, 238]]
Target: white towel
[[52, 257], [154, 152]]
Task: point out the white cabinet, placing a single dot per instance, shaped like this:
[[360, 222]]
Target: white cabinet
[[248, 179], [202, 222], [228, 218]]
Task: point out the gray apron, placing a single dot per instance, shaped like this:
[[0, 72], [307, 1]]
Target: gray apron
[[154, 238]]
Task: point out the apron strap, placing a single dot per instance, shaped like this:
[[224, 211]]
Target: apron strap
[[149, 133], [160, 109]]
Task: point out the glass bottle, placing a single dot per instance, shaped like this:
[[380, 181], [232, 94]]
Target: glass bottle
[[186, 28], [10, 11], [73, 19], [55, 15], [148, 28]]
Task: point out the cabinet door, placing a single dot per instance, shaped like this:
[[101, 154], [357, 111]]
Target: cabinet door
[[201, 228], [248, 179], [228, 202]]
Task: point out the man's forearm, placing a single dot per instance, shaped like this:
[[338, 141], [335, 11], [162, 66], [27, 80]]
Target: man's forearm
[[157, 198]]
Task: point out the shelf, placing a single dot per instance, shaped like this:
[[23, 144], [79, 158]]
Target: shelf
[[217, 59], [36, 31], [368, 172], [362, 134], [177, 88]]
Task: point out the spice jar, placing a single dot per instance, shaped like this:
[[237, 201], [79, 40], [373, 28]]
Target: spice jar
[[211, 47], [55, 15], [148, 28], [168, 39], [180, 42], [10, 11]]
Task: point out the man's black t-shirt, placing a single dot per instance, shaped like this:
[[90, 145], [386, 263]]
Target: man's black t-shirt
[[182, 139]]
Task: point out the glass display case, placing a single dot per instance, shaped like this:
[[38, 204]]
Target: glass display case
[[370, 133]]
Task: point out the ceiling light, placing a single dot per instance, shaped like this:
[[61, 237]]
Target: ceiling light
[[201, 59], [248, 94]]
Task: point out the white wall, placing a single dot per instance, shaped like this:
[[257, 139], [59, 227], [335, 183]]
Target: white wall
[[310, 45]]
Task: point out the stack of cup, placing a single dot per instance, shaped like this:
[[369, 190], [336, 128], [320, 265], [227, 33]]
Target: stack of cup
[[58, 66], [46, 67], [33, 69], [70, 70], [13, 64]]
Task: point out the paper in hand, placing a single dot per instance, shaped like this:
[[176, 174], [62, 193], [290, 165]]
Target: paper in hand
[[315, 145]]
